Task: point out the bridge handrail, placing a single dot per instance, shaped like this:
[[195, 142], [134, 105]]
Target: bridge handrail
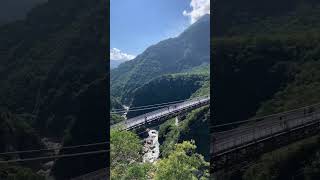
[[314, 119]]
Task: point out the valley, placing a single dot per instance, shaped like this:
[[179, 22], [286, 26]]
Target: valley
[[166, 74]]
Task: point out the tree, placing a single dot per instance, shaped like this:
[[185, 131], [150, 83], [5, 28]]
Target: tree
[[183, 163], [125, 153], [139, 171]]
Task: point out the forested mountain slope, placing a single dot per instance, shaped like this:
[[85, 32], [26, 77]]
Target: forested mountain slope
[[188, 50], [251, 17], [167, 88], [47, 64], [11, 10], [43, 68]]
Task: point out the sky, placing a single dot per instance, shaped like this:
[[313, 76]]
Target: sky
[[138, 24]]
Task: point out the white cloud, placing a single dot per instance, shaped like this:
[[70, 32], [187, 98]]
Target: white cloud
[[199, 8], [117, 54]]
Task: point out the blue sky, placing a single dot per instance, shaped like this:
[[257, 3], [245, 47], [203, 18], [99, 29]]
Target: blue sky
[[137, 24]]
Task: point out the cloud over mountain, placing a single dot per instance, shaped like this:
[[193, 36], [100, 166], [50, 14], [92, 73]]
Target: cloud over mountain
[[199, 8], [117, 54]]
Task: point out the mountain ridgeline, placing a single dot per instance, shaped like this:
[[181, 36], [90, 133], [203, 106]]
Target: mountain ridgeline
[[190, 49]]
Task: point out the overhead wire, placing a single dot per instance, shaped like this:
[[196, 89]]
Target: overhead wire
[[52, 149], [55, 156]]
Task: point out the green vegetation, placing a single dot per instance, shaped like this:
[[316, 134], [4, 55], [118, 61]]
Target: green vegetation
[[47, 63], [115, 103], [125, 147], [17, 134], [302, 91], [183, 163], [268, 56], [89, 126], [203, 91], [250, 17], [167, 88], [287, 162], [172, 70], [252, 70], [125, 152], [126, 163], [115, 118], [193, 127], [18, 173]]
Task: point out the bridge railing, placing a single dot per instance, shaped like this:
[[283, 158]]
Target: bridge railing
[[264, 127]]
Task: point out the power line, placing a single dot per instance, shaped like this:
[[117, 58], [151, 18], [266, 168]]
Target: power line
[[55, 156], [137, 107], [142, 109], [153, 106], [52, 149]]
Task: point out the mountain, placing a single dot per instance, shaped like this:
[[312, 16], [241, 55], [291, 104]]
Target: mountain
[[268, 62], [116, 63], [274, 45], [174, 55], [12, 10], [50, 63], [42, 69], [167, 88], [250, 17], [90, 126]]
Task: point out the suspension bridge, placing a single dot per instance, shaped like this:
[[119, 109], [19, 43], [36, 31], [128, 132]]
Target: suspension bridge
[[254, 137], [163, 114]]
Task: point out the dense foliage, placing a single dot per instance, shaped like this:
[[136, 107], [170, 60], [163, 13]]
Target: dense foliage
[[18, 173], [12, 10], [294, 161], [126, 156], [167, 88], [193, 127], [89, 126], [48, 63], [183, 163], [251, 17], [252, 70], [268, 61]]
